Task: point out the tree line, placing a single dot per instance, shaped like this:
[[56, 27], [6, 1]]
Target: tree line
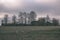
[[29, 19]]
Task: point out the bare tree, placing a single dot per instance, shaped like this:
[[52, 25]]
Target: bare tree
[[25, 17], [47, 18], [14, 19], [32, 16], [21, 18], [6, 19], [2, 22], [55, 22], [28, 15]]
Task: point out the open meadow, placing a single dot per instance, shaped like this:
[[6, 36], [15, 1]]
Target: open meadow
[[30, 33]]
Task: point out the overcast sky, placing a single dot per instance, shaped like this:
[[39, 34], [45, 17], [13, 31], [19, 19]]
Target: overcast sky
[[41, 7]]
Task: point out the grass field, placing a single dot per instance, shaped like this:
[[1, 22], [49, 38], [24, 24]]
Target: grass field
[[30, 33]]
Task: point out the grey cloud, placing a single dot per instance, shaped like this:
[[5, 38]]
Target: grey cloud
[[30, 5]]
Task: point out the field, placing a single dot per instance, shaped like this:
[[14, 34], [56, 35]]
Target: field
[[30, 33]]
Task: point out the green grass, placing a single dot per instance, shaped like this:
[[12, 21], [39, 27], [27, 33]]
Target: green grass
[[29, 33]]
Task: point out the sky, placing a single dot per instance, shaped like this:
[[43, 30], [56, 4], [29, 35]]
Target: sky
[[41, 7]]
